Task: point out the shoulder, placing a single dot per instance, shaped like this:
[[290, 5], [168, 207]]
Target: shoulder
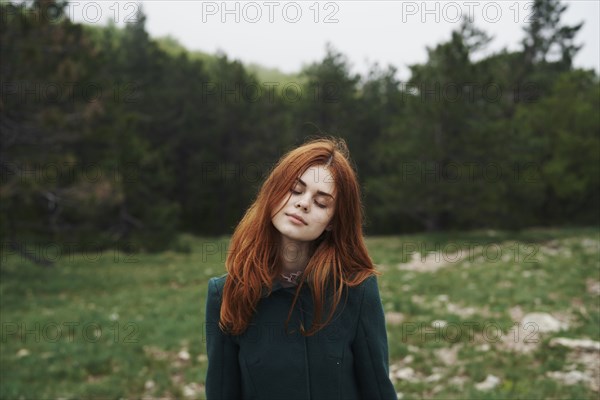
[[368, 284], [368, 290], [216, 284]]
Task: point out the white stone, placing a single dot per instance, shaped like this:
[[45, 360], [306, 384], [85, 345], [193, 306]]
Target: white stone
[[189, 391], [406, 374], [22, 353], [543, 322], [461, 311], [442, 297], [569, 378], [439, 323], [458, 381], [183, 355], [394, 318], [582, 344], [433, 378], [593, 287], [489, 383], [484, 347], [448, 355]]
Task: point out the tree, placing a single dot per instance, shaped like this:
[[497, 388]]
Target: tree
[[546, 38], [427, 155], [562, 135], [327, 101]]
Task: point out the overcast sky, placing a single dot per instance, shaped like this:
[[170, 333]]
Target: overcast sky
[[286, 35]]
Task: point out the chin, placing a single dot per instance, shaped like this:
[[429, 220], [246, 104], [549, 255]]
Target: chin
[[292, 236]]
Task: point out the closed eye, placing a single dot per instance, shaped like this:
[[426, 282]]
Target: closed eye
[[316, 202], [320, 205]]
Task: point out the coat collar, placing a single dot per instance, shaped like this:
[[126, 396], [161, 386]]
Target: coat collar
[[277, 286]]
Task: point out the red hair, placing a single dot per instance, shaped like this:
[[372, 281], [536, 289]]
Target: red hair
[[338, 258]]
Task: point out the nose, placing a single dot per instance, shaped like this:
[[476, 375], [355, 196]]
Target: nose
[[302, 204]]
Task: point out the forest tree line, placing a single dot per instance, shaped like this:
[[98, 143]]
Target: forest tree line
[[109, 137]]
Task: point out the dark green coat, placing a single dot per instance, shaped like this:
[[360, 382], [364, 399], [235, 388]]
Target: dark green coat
[[346, 360]]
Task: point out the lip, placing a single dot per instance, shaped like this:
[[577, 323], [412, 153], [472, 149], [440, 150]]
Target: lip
[[297, 218]]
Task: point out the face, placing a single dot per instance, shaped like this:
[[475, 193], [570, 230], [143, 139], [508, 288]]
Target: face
[[312, 200]]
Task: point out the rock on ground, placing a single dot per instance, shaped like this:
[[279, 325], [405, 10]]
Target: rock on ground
[[489, 383]]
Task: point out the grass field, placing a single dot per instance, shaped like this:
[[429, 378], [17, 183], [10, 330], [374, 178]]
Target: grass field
[[110, 325]]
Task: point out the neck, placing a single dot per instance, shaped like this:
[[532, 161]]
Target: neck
[[294, 255]]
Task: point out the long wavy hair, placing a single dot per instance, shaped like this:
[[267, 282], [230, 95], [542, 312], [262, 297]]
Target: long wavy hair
[[338, 258]]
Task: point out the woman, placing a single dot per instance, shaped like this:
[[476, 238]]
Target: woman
[[298, 314]]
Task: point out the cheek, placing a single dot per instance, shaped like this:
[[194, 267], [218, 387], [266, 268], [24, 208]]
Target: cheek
[[279, 209], [324, 216]]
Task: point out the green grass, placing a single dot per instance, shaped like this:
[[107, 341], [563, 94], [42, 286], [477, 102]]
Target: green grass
[[108, 325]]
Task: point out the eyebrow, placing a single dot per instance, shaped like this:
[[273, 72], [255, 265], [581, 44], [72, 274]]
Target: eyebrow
[[318, 191]]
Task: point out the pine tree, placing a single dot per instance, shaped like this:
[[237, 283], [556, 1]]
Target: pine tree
[[547, 39]]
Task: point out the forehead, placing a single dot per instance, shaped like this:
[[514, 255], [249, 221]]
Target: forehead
[[319, 178]]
